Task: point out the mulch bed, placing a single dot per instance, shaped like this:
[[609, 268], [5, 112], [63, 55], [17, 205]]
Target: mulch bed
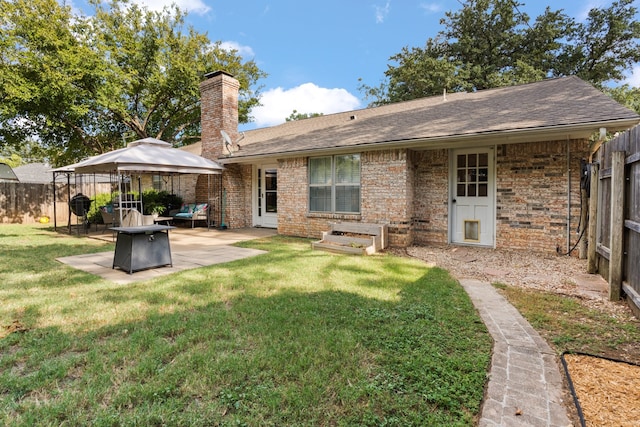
[[606, 391]]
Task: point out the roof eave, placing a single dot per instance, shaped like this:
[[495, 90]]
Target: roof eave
[[511, 136]]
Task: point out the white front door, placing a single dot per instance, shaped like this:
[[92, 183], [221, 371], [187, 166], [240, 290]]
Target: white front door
[[473, 197], [265, 212]]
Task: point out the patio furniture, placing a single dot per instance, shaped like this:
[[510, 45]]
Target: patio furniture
[[133, 218], [192, 212], [109, 218], [160, 219], [142, 247]]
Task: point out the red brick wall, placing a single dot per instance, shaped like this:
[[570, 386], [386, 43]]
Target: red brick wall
[[431, 203], [385, 189], [293, 203], [219, 106], [236, 182], [219, 111], [385, 192], [532, 194]]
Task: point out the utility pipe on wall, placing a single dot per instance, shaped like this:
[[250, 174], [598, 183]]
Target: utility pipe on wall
[[568, 196]]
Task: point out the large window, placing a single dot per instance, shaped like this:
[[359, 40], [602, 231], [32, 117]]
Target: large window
[[334, 184]]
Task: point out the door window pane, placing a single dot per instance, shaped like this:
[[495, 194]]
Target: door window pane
[[270, 180], [271, 190], [472, 174], [472, 162], [271, 202]]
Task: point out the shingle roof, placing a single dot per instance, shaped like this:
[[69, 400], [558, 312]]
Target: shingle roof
[[35, 173], [561, 103]]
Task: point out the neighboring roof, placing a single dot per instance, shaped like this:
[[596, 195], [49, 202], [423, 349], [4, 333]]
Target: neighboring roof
[[147, 155], [7, 174], [565, 107], [35, 173]]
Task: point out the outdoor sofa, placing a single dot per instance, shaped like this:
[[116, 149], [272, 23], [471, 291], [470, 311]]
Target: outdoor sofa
[[191, 212]]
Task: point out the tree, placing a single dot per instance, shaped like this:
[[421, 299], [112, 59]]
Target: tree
[[626, 95], [604, 46], [490, 43], [83, 85], [301, 116]]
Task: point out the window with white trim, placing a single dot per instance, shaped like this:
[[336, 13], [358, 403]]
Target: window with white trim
[[334, 184]]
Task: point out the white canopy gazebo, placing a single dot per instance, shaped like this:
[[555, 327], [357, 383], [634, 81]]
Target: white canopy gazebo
[[144, 156]]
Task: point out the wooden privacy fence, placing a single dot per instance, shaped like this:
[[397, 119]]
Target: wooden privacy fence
[[25, 203], [614, 224]]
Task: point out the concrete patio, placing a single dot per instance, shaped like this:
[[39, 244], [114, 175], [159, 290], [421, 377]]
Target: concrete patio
[[190, 248]]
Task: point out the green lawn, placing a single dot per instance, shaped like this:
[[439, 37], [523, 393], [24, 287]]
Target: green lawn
[[571, 324], [292, 337]]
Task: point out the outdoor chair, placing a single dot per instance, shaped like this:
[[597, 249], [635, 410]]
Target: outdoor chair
[[109, 219], [132, 218]]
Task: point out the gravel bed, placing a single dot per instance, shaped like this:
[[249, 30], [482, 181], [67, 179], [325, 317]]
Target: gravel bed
[[565, 275]]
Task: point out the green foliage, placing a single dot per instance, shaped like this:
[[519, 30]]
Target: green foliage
[[604, 46], [571, 325], [290, 337], [490, 43], [27, 152], [13, 160], [80, 83], [301, 116], [626, 95], [159, 202], [94, 216]]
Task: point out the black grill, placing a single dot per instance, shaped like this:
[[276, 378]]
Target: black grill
[[80, 204]]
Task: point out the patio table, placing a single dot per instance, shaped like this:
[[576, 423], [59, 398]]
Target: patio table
[[166, 219], [143, 247]]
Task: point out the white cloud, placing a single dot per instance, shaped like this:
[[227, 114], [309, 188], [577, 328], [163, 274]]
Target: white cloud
[[244, 51], [195, 6], [430, 7], [278, 104], [382, 12], [583, 13], [634, 79]]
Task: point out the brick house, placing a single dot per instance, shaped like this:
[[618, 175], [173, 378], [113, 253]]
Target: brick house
[[497, 168]]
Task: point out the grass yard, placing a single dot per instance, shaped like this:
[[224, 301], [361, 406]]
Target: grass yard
[[570, 324], [292, 337]]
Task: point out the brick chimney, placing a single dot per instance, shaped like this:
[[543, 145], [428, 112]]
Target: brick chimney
[[219, 111]]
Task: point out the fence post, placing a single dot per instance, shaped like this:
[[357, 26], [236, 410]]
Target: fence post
[[617, 225], [592, 261]]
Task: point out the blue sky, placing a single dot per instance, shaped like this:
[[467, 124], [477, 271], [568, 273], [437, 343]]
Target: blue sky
[[316, 52]]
